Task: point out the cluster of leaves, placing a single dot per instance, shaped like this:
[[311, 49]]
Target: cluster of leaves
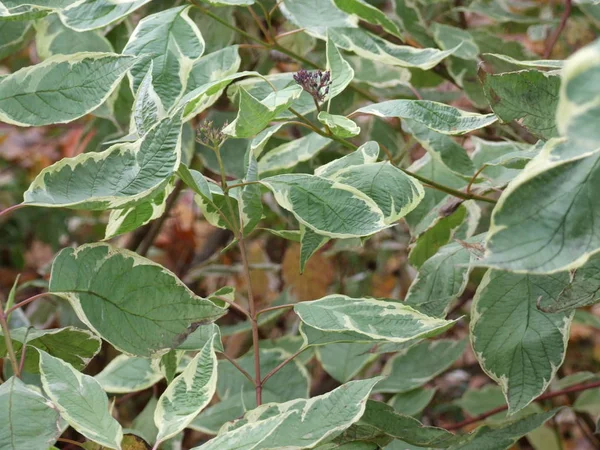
[[313, 134]]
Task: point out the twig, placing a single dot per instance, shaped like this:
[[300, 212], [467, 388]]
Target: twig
[[158, 223], [9, 346], [555, 35], [25, 302], [289, 33], [280, 366], [234, 305], [474, 177], [259, 23], [11, 209], [273, 308], [72, 442], [491, 412], [238, 367]]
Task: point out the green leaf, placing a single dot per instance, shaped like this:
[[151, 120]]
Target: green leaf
[[316, 16], [230, 2], [529, 96], [339, 125], [442, 148], [524, 357], [13, 36], [365, 154], [147, 106], [419, 364], [394, 192], [449, 37], [73, 345], [92, 14], [369, 14], [53, 38], [150, 312], [80, 400], [60, 89], [187, 394], [201, 335], [363, 317], [579, 100], [250, 201], [412, 402], [119, 176], [310, 243], [370, 46], [296, 424], [171, 42], [538, 63], [556, 190], [435, 116], [442, 279], [255, 115], [345, 360], [290, 154], [341, 72], [327, 207], [126, 374], [230, 408], [30, 421]]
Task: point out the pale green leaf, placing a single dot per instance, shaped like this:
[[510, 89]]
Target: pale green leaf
[[121, 175], [378, 74], [91, 14], [297, 424], [537, 63], [412, 402], [288, 155], [529, 96], [449, 37], [147, 106], [365, 154], [250, 201], [73, 345], [375, 320], [419, 364], [316, 16], [150, 312], [345, 360], [13, 36], [258, 143], [60, 89], [230, 2], [187, 394], [369, 14], [53, 38], [310, 243], [80, 401], [524, 357], [329, 208], [339, 125], [126, 374], [29, 419], [172, 42], [201, 335], [341, 72], [435, 116], [230, 408]]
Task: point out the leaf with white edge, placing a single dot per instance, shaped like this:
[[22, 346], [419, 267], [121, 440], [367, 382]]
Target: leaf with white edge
[[412, 402], [148, 314], [53, 38], [378, 74], [316, 16], [250, 201], [132, 217], [441, 147], [448, 37], [365, 154], [31, 9], [556, 189], [435, 116], [290, 154], [579, 99], [92, 14], [258, 143], [60, 89], [80, 401], [200, 336], [537, 63], [583, 289], [254, 115], [195, 181], [340, 126], [419, 364], [329, 208], [341, 72], [73, 345], [215, 208], [30, 420], [524, 357], [188, 394], [147, 106], [119, 176], [297, 424], [394, 192], [372, 319], [441, 279], [345, 360], [126, 374], [369, 14], [370, 46], [13, 36], [172, 42], [230, 2], [529, 96], [227, 409], [310, 243], [383, 417]]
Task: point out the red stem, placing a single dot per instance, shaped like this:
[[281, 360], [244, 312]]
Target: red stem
[[25, 302], [561, 26], [11, 209]]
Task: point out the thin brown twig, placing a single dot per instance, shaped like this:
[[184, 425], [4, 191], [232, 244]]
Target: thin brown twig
[[474, 177], [273, 308], [72, 442], [26, 302], [238, 367], [556, 34], [259, 23], [234, 305], [11, 209], [280, 366], [491, 412]]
